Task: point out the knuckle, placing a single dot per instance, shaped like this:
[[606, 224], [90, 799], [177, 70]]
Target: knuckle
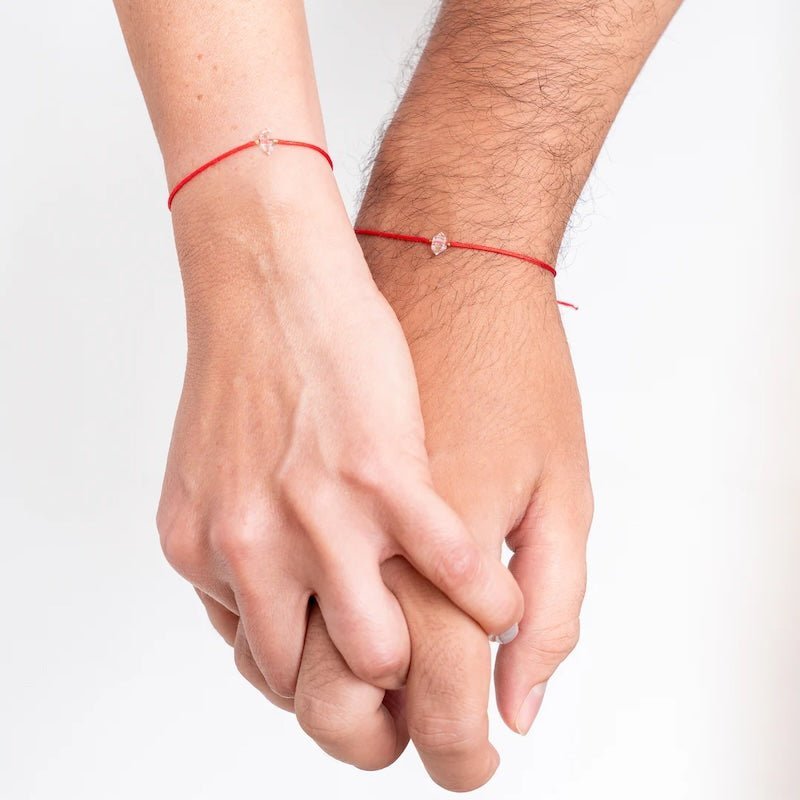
[[325, 714], [163, 519], [445, 735], [380, 664], [177, 550], [235, 542], [550, 646], [458, 566], [370, 471], [178, 545]]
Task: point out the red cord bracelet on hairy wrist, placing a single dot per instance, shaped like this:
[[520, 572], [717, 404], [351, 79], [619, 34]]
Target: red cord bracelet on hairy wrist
[[265, 142], [439, 243]]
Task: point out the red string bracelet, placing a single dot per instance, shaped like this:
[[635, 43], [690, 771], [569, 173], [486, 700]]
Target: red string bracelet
[[439, 243], [265, 142]]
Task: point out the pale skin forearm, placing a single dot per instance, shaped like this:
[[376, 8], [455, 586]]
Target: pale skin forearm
[[214, 74]]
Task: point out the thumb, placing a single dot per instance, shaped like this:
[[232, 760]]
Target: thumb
[[549, 563]]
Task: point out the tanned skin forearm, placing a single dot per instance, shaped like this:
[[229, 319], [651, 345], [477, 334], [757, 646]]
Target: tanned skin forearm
[[505, 116], [493, 143]]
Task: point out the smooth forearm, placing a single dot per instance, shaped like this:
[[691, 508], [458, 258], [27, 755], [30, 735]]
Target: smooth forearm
[[505, 116], [214, 73]]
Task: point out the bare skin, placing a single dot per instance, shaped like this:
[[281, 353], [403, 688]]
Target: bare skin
[[297, 464], [499, 397], [493, 142], [507, 451]]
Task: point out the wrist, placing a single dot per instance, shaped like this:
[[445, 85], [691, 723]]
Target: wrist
[[457, 287], [279, 176], [247, 233], [255, 203]]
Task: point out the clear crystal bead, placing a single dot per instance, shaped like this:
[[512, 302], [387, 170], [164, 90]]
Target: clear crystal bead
[[439, 243], [266, 141]]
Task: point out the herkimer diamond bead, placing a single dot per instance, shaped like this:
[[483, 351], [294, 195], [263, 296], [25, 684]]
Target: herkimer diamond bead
[[439, 243], [266, 141]]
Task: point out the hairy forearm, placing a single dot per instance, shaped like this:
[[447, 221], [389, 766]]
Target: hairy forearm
[[505, 116]]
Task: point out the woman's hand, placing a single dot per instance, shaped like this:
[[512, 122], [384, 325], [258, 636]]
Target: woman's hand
[[298, 464]]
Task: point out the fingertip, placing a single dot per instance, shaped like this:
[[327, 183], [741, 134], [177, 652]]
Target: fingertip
[[367, 626], [463, 779], [247, 667], [495, 763], [549, 566], [505, 603], [507, 636], [275, 634], [529, 708], [519, 704], [520, 677], [383, 668]]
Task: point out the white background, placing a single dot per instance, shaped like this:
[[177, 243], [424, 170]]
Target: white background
[[684, 257]]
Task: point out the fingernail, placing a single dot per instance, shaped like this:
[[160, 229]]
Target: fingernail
[[530, 708], [506, 636]]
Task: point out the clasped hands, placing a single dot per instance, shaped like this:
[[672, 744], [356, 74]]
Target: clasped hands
[[350, 452], [362, 423]]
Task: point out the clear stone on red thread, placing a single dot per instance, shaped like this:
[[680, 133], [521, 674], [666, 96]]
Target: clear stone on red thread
[[439, 243], [266, 141]]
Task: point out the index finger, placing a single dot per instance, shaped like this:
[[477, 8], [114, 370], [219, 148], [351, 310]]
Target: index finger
[[447, 693]]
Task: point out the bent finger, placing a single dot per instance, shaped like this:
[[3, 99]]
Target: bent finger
[[246, 664], [439, 545], [225, 622], [274, 622], [344, 715], [446, 697], [365, 621]]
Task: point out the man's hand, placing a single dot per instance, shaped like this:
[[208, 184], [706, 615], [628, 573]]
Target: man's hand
[[492, 143], [505, 437], [506, 445]]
